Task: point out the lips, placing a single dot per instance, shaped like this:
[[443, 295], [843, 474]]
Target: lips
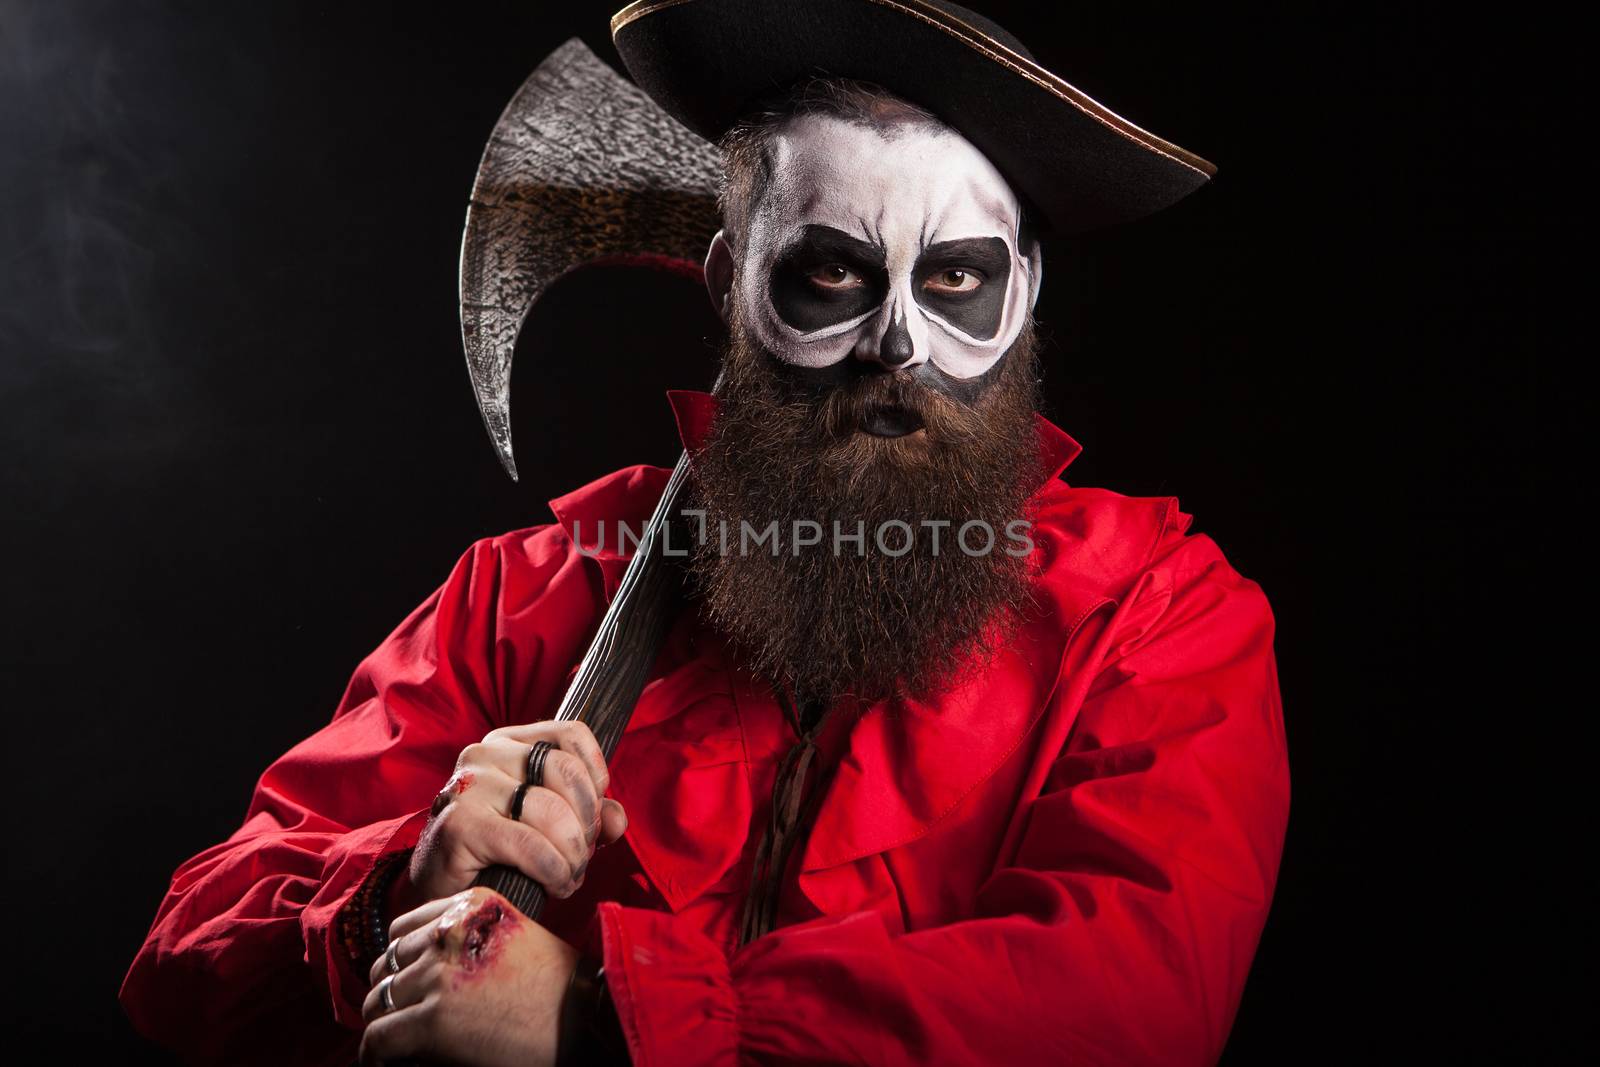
[[888, 420]]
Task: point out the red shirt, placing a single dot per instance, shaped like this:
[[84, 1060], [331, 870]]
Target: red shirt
[[1068, 859]]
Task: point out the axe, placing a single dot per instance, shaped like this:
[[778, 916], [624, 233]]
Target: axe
[[582, 167]]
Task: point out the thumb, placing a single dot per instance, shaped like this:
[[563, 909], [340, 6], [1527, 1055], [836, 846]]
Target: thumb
[[613, 821]]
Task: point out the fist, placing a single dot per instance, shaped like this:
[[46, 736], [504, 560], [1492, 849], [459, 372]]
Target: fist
[[560, 824], [467, 981]]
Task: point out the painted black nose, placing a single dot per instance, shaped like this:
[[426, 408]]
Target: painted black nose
[[896, 347]]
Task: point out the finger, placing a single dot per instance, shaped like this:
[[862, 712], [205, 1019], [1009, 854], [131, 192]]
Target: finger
[[544, 810], [406, 988], [613, 821], [407, 949], [577, 739], [494, 839], [570, 737], [549, 813], [404, 1033], [411, 920], [568, 777], [491, 757]]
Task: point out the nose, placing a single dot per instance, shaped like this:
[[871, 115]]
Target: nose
[[896, 348]]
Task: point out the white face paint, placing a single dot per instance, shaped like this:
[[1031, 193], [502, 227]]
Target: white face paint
[[898, 245]]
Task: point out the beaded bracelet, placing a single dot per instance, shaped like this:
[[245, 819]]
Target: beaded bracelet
[[363, 927]]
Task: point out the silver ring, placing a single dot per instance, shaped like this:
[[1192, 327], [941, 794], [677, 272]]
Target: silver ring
[[391, 957], [386, 993]]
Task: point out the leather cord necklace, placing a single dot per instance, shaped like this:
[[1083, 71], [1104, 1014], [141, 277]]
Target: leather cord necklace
[[793, 808]]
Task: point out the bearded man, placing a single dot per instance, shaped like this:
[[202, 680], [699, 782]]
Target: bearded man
[[962, 765]]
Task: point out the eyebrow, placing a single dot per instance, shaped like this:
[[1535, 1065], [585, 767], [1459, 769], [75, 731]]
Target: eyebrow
[[986, 253], [828, 241]]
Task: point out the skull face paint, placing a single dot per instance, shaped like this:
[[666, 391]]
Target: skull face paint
[[897, 244]]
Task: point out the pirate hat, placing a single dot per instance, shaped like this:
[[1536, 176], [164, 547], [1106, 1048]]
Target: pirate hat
[[1077, 163]]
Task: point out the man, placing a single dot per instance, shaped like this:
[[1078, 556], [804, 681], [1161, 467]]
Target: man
[[963, 765]]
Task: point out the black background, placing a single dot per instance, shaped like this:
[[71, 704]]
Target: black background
[[239, 445]]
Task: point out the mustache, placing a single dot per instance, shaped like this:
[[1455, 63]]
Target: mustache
[[946, 420]]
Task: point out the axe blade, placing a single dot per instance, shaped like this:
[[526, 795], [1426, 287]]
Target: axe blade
[[582, 166]]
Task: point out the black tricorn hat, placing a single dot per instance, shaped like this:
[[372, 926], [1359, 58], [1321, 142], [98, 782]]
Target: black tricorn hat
[[1073, 160]]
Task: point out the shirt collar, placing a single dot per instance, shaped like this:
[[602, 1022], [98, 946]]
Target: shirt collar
[[695, 410]]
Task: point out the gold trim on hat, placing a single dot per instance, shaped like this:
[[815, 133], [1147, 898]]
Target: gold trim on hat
[[992, 49]]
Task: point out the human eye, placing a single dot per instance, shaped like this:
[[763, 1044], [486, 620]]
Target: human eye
[[833, 277], [953, 280]]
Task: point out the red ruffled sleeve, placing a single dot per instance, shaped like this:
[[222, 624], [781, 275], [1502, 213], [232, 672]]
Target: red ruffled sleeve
[[1119, 932], [245, 962]]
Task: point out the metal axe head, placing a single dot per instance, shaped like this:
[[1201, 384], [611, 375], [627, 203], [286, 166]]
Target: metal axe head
[[582, 166]]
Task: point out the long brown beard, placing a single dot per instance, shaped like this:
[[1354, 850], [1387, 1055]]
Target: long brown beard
[[864, 624]]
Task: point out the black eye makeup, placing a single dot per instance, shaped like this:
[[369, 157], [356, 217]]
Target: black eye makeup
[[964, 283], [827, 277]]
